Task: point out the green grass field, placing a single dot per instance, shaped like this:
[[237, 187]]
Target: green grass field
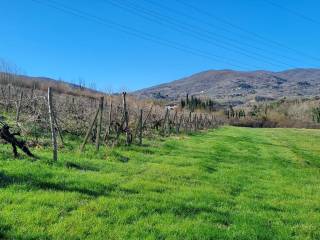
[[230, 183]]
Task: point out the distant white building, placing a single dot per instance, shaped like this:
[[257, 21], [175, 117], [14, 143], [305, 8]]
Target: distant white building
[[171, 106]]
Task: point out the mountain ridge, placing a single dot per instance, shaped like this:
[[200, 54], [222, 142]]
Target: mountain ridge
[[240, 86]]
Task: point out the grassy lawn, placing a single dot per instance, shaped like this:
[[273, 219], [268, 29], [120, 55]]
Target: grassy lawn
[[230, 183]]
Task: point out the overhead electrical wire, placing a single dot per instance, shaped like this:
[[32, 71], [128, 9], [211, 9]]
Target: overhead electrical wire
[[256, 35], [154, 16], [196, 32], [134, 32], [293, 12], [213, 26]]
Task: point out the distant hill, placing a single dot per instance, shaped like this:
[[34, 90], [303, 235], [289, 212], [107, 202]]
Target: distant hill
[[42, 83], [240, 87]]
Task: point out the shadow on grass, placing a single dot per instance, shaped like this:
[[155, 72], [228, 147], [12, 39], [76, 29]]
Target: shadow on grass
[[77, 166], [4, 229], [8, 155], [5, 180], [209, 168], [185, 210], [143, 149], [98, 190], [119, 157]]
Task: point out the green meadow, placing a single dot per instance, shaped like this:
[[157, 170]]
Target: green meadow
[[228, 183]]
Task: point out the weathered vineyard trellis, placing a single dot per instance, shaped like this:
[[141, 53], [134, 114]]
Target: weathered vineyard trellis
[[111, 120]]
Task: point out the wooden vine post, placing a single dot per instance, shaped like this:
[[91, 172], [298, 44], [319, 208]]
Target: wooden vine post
[[32, 98], [189, 122], [195, 122], [99, 123], [200, 122], [110, 118], [140, 127], [108, 130], [174, 121], [8, 98], [53, 130], [164, 126], [147, 117], [212, 122], [126, 118], [89, 130], [206, 125], [58, 128], [167, 129], [178, 125], [19, 107]]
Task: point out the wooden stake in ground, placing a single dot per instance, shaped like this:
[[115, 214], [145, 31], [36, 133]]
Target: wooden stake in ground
[[8, 98], [178, 125], [99, 123], [126, 118], [140, 127], [108, 130], [32, 98], [164, 126], [110, 118], [53, 130], [19, 107], [195, 122], [58, 128], [147, 117], [189, 122], [173, 123], [89, 130]]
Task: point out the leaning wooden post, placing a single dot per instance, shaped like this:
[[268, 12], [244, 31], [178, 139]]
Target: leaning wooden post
[[53, 130], [19, 107], [99, 123], [147, 117], [89, 130], [140, 127]]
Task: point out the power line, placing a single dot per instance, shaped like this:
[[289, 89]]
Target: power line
[[180, 13], [269, 41], [196, 32], [293, 12], [133, 32]]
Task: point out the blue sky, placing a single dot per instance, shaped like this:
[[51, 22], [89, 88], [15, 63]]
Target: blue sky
[[230, 34]]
